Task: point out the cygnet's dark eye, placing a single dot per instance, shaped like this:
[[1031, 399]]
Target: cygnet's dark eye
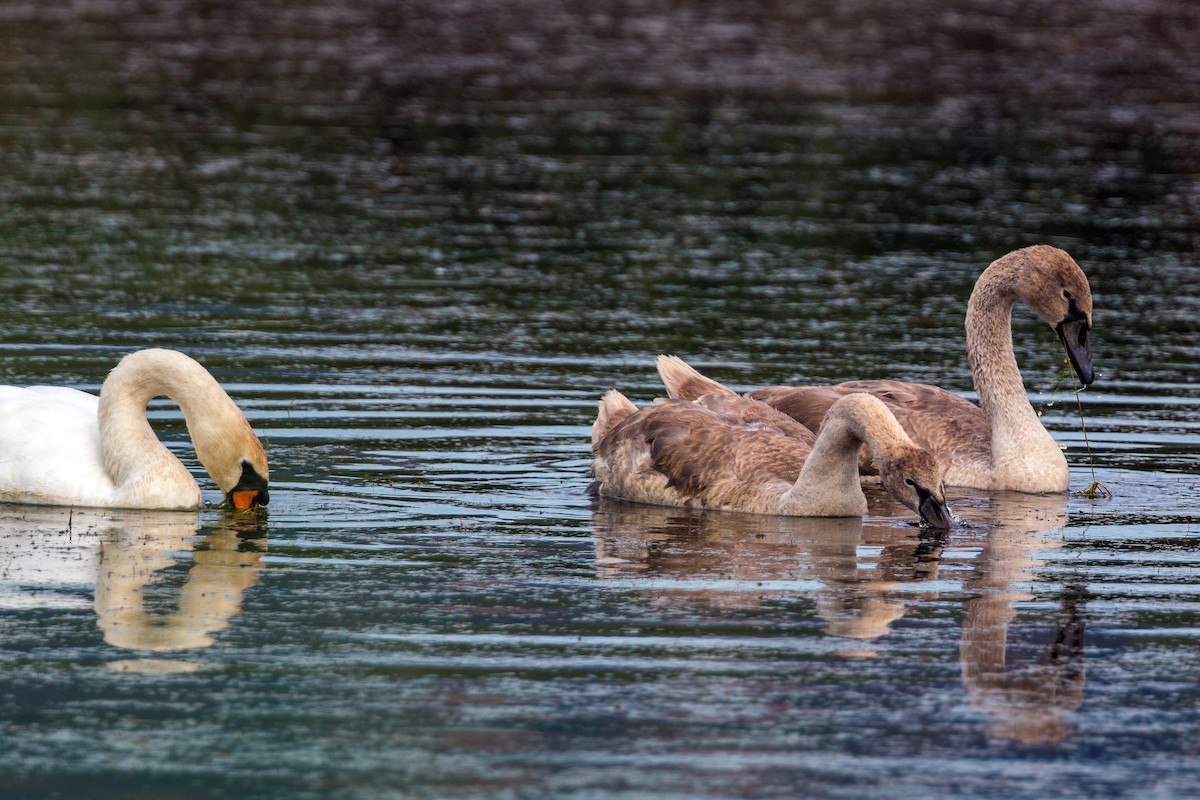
[[911, 482], [1066, 294]]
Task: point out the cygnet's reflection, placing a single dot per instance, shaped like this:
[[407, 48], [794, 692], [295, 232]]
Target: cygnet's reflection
[[856, 572], [53, 553], [740, 560], [1029, 689]]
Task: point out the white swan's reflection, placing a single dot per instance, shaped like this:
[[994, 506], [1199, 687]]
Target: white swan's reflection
[[51, 556], [863, 575]]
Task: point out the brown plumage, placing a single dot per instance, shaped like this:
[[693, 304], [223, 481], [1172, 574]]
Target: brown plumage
[[958, 432], [999, 444], [734, 453], [707, 453]]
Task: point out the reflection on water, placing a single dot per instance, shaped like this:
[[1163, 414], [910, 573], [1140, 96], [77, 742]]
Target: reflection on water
[[224, 566], [1028, 691], [131, 561], [862, 576], [744, 560]]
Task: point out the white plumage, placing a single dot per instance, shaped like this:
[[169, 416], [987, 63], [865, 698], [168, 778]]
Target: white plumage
[[61, 446], [50, 447]]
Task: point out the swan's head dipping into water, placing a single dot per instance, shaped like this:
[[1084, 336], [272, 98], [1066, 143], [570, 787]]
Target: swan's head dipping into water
[[250, 491], [225, 444], [231, 454], [908, 471], [1053, 285], [914, 477]]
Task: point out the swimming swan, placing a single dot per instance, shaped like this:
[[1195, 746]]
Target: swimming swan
[[999, 444], [729, 452], [61, 446]]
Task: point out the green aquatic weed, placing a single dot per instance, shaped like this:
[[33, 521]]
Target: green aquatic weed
[[1095, 489]]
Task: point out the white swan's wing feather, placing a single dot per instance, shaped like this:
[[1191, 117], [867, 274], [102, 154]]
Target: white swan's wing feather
[[84, 400], [50, 448]]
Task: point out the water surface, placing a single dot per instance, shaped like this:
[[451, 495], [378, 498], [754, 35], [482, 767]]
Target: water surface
[[417, 243]]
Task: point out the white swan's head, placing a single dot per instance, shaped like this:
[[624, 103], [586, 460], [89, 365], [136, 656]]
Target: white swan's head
[[236, 461], [1050, 282], [225, 443], [915, 478]]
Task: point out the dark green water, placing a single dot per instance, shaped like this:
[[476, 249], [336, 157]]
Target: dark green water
[[417, 241]]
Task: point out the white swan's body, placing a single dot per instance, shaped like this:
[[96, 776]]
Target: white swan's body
[[1000, 444], [61, 446], [729, 452]]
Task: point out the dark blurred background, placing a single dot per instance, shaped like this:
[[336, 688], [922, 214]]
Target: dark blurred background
[[694, 170]]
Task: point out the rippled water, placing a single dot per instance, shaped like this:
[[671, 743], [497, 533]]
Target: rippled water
[[416, 242]]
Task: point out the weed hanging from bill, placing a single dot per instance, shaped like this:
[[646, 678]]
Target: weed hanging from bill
[[1095, 489]]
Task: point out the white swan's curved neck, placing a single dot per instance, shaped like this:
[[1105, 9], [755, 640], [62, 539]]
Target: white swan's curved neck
[[138, 463]]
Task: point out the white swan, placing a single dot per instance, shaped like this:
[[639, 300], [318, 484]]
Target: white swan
[[729, 452], [1001, 443], [61, 446]]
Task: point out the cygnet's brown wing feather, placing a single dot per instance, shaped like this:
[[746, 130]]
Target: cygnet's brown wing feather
[[723, 451], [739, 410], [808, 405], [949, 427], [723, 437]]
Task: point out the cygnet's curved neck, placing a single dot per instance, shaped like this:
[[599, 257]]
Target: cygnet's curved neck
[[998, 381], [829, 484]]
